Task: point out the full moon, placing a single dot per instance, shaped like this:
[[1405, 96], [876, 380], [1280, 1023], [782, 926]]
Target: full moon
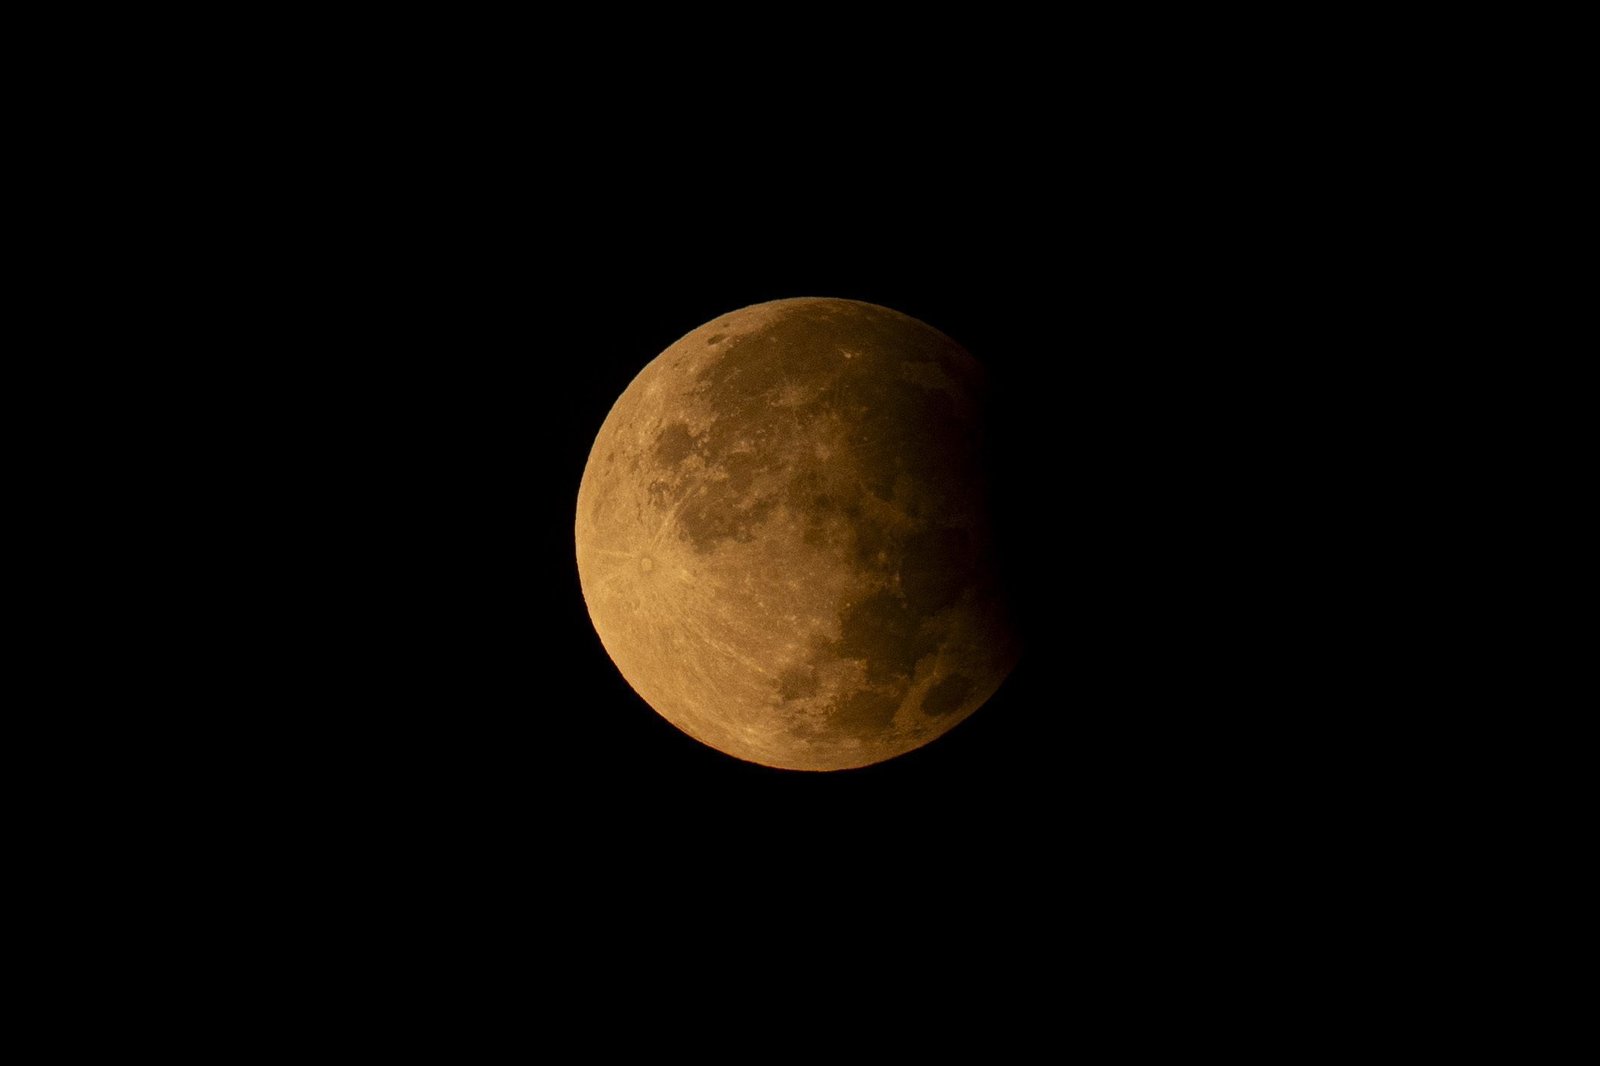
[[783, 536]]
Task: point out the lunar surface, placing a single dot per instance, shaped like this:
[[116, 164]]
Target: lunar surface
[[783, 541]]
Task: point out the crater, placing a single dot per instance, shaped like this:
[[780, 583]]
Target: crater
[[738, 489], [866, 713], [872, 544], [709, 521], [674, 444], [947, 694], [938, 564], [884, 632], [797, 682]]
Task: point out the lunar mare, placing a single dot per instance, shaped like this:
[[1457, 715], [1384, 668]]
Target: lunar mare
[[783, 541]]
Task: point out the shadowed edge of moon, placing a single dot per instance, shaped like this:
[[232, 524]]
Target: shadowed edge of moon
[[830, 434]]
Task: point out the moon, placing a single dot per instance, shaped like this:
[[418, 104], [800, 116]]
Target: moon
[[783, 536]]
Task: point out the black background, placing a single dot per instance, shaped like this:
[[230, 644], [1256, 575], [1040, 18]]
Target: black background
[[476, 430], [412, 299], [461, 356], [1093, 723]]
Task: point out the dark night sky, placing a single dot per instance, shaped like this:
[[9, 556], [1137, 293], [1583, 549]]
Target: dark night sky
[[441, 303], [510, 332], [1036, 320], [509, 366]]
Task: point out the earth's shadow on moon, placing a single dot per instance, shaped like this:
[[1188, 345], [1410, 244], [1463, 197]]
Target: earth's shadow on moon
[[1025, 435], [1013, 730]]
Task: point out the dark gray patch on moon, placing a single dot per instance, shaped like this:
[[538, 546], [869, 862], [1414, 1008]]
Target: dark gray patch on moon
[[707, 523], [797, 683], [936, 566], [674, 444], [872, 543], [947, 695], [886, 634], [865, 713]]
